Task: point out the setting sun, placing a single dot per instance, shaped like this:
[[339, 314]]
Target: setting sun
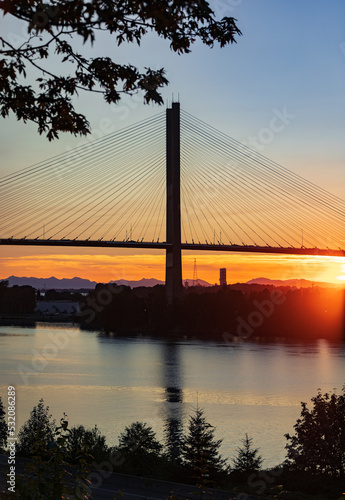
[[341, 277]]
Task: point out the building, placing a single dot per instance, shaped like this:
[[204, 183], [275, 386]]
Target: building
[[222, 276]]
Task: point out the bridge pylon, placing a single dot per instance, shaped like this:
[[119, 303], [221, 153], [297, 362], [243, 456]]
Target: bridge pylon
[[173, 266]]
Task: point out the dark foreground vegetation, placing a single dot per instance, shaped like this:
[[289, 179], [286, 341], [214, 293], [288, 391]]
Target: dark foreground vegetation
[[17, 299], [63, 462]]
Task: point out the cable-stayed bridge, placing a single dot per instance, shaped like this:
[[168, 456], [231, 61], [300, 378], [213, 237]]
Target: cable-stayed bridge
[[170, 182]]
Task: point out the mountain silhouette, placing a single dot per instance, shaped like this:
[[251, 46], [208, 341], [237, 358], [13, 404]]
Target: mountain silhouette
[[295, 282], [76, 283]]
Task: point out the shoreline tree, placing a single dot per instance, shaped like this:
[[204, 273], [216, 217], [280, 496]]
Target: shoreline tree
[[318, 445], [48, 474], [200, 451], [247, 460], [92, 441], [51, 27], [38, 433], [140, 449]]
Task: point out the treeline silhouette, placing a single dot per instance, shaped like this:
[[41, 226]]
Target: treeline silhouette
[[17, 299], [227, 313]]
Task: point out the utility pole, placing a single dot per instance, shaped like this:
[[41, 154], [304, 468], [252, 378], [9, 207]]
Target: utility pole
[[195, 274]]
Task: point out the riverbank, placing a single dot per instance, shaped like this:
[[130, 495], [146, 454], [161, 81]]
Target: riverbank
[[33, 319], [223, 314], [220, 314]]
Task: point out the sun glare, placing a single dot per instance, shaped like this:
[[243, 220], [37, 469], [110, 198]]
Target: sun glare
[[333, 270], [341, 277]]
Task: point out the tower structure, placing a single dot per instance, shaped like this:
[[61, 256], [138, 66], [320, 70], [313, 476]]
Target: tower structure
[[222, 276], [173, 266]]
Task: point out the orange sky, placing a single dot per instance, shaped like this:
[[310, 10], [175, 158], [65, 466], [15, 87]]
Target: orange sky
[[98, 265]]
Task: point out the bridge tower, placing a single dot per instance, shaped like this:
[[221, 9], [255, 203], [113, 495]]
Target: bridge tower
[[173, 266]]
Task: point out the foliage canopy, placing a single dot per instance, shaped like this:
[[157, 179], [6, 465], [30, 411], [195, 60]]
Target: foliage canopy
[[52, 26], [247, 459], [3, 428], [139, 449], [47, 474], [92, 441], [37, 433], [139, 439], [318, 445], [200, 450]]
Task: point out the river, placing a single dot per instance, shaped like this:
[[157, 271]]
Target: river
[[109, 381]]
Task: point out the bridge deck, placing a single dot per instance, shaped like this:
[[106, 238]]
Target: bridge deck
[[184, 246]]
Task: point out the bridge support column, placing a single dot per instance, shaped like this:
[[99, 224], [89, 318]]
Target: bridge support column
[[173, 267]]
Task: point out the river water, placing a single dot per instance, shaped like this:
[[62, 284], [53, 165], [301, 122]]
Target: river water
[[243, 388]]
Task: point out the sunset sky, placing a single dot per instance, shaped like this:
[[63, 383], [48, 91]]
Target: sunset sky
[[131, 265], [291, 57]]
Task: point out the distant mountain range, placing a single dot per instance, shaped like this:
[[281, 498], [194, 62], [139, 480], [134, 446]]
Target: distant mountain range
[[297, 282], [198, 282], [74, 283], [142, 282], [80, 283], [52, 283]]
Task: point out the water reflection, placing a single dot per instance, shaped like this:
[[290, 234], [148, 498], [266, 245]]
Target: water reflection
[[172, 381], [254, 388]]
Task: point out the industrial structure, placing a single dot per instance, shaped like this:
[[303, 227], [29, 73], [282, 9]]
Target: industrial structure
[[222, 276]]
